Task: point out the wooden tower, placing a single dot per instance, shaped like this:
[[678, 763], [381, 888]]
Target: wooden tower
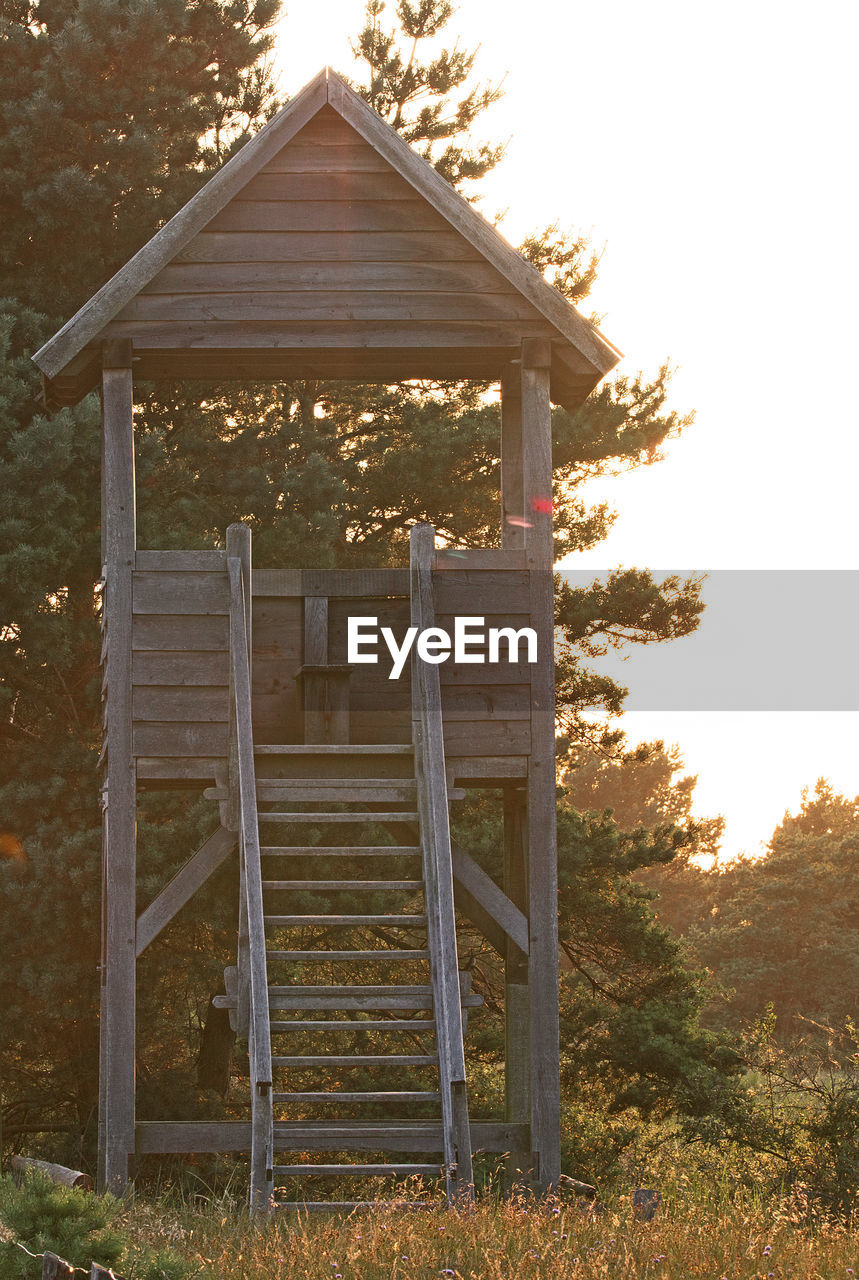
[[327, 248]]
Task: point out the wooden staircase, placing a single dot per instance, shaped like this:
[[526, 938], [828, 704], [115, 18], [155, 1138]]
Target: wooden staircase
[[347, 983]]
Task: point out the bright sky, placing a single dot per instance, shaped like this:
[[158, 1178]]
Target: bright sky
[[711, 149]]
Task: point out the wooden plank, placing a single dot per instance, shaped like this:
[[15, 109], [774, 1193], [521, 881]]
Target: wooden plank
[[259, 1033], [488, 591], [193, 592], [459, 558], [325, 215], [181, 561], [164, 739], [389, 364], [172, 770], [166, 703], [309, 157], [429, 744], [183, 886], [175, 234], [483, 889], [333, 583], [330, 187], [117, 1022], [202, 632], [166, 668], [487, 737], [346, 333], [292, 277], [326, 246], [513, 512], [486, 702], [316, 629], [541, 792], [320, 307]]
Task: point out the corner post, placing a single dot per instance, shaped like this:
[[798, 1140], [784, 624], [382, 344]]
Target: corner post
[[239, 548], [540, 830], [512, 479], [118, 972]]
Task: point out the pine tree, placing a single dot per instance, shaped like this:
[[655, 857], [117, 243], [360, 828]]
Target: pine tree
[[111, 115]]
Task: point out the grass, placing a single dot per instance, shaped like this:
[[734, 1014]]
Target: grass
[[734, 1236]]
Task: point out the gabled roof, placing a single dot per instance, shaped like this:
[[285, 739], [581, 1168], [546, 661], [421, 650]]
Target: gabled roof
[[580, 354]]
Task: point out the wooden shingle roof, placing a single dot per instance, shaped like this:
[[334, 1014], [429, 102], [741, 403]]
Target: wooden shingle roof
[[326, 247]]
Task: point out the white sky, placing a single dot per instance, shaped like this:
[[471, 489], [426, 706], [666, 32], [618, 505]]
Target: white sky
[[712, 150]]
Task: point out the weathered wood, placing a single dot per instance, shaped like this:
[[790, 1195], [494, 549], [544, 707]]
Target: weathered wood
[[321, 307], [331, 187], [316, 629], [56, 1172], [505, 913], [181, 561], [200, 703], [428, 738], [117, 1023], [260, 1035], [513, 506], [325, 246], [291, 277], [332, 583], [180, 632], [187, 592], [517, 1053], [501, 592], [153, 738], [328, 216], [183, 886], [487, 738], [54, 1268], [236, 334], [175, 234], [478, 558], [541, 791], [166, 771], [181, 668]]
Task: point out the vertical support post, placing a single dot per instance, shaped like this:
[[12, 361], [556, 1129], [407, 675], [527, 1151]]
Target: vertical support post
[[512, 479], [239, 548], [541, 839], [118, 974], [517, 1055]]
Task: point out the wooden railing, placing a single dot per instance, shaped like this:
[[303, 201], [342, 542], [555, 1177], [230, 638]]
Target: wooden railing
[[252, 975], [428, 739]]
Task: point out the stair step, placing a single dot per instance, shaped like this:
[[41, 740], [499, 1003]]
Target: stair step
[[329, 790], [356, 1024], [357, 886], [345, 921], [334, 749], [341, 851], [355, 1060], [339, 817], [313, 957], [346, 1206], [357, 1170], [392, 1097]]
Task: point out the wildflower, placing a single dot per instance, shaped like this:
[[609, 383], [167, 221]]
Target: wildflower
[[767, 1250]]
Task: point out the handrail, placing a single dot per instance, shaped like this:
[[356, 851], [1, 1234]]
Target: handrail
[[428, 738], [259, 1030]]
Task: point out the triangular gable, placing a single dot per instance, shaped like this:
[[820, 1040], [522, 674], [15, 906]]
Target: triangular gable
[[246, 263]]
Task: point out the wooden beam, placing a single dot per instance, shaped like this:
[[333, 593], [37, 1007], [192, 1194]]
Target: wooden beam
[[540, 827], [183, 886], [117, 1026], [511, 923], [513, 515]]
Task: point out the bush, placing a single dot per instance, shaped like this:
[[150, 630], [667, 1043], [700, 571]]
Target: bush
[[76, 1225]]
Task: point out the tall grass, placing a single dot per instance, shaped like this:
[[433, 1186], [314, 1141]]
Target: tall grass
[[714, 1231]]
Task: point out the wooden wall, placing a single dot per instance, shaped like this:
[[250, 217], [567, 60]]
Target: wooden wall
[[328, 247], [180, 662]]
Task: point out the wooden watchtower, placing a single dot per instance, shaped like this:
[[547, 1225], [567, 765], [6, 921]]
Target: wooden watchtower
[[327, 248]]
